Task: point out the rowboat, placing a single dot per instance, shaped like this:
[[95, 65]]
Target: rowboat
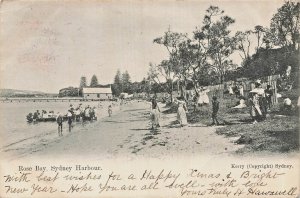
[[30, 118]]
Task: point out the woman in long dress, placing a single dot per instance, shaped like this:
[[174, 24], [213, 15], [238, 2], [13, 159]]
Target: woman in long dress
[[230, 89], [155, 114], [203, 97], [255, 110], [181, 113]]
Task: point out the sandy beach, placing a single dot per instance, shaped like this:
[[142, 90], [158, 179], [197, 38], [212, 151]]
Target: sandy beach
[[127, 134]]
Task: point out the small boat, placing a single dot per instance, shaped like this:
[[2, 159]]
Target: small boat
[[52, 118]]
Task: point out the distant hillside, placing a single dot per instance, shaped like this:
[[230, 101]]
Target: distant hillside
[[23, 93]]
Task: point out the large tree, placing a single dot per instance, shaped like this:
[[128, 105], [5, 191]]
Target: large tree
[[82, 85], [260, 33], [82, 82], [126, 82], [170, 68], [94, 81], [117, 86], [220, 43], [285, 25], [243, 43]]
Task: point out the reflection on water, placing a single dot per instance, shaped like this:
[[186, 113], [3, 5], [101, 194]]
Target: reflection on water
[[17, 134]]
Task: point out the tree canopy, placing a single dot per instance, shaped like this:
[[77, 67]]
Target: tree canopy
[[82, 82], [94, 81]]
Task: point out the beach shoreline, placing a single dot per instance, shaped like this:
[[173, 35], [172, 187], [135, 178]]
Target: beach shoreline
[[127, 133]]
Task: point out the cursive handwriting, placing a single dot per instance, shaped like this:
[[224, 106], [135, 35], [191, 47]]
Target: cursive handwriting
[[43, 181]]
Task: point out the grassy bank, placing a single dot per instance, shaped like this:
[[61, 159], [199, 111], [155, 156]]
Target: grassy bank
[[278, 133]]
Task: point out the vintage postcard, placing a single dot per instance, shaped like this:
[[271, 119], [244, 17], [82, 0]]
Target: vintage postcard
[[165, 98]]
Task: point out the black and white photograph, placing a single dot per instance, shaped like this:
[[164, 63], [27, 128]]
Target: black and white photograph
[[147, 81]]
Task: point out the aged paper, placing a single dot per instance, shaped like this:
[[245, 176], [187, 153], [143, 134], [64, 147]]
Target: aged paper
[[49, 46]]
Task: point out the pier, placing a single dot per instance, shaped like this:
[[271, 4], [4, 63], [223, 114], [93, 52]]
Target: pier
[[57, 99]]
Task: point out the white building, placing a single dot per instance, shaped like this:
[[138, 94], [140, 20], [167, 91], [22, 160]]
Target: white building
[[97, 93]]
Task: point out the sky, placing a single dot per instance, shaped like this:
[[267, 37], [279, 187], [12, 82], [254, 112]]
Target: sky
[[49, 45]]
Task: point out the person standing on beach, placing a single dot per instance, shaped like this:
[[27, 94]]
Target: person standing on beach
[[215, 109], [181, 113], [69, 116], [59, 121], [154, 114], [87, 113], [109, 110]]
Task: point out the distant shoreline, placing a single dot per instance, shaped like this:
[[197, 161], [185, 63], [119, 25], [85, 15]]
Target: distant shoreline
[[49, 99]]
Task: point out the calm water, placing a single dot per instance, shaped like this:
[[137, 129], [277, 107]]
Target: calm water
[[16, 134]]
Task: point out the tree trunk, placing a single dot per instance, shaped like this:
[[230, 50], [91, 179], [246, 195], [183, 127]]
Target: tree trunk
[[194, 81], [171, 91], [220, 86]]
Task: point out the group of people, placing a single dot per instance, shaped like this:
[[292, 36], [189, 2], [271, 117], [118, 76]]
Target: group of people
[[155, 114], [181, 111], [236, 89], [40, 114], [77, 114], [260, 101]]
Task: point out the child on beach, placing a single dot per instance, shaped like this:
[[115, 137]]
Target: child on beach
[[215, 109], [59, 121], [109, 110]]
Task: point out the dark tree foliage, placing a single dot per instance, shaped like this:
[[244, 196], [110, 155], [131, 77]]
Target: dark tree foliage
[[94, 81], [269, 62]]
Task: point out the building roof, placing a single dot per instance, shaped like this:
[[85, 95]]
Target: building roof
[[96, 90]]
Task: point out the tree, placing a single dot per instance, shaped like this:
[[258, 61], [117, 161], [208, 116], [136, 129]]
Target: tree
[[153, 73], [126, 82], [81, 85], [69, 91], [243, 43], [145, 86], [94, 81], [117, 86], [220, 44], [285, 25], [169, 68], [82, 82], [260, 32]]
